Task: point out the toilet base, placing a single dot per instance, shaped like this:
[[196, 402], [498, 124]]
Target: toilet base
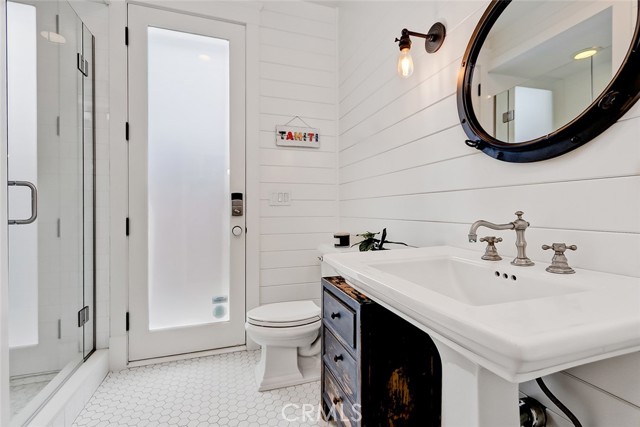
[[285, 368]]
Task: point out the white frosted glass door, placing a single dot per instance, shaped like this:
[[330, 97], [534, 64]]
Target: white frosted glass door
[[186, 150], [188, 177]]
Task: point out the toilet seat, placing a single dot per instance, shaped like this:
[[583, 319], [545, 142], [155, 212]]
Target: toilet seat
[[284, 314]]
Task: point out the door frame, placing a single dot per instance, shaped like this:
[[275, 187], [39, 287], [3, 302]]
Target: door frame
[[247, 15], [4, 231], [144, 342]]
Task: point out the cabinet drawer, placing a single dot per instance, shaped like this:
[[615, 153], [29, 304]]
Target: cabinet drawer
[[340, 407], [340, 318], [339, 361]]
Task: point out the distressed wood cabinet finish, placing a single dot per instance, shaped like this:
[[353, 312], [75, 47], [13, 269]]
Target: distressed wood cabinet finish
[[377, 369]]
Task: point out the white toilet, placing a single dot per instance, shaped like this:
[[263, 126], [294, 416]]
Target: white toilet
[[289, 333]]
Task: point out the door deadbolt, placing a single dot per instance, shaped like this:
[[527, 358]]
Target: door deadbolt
[[237, 205]]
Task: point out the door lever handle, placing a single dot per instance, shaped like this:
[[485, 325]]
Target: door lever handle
[[34, 202]]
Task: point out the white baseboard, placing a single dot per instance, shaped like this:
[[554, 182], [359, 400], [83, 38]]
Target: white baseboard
[[117, 353], [186, 356]]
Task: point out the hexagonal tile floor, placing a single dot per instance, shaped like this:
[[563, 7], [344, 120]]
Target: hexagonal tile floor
[[208, 391]]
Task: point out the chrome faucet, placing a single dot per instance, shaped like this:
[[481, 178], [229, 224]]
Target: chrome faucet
[[519, 225]]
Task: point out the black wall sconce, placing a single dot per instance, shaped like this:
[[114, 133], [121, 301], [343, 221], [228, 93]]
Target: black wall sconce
[[433, 41]]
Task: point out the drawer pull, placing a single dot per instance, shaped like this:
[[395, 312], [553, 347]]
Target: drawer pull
[[340, 318], [338, 358], [336, 400]]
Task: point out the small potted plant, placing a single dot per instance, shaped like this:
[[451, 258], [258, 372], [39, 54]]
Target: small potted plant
[[370, 243]]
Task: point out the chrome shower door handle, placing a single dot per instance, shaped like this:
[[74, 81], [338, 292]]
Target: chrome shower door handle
[[34, 202]]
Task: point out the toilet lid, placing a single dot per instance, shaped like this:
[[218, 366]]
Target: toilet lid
[[284, 314]]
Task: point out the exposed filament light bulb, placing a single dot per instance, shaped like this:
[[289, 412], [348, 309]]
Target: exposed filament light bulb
[[405, 63]]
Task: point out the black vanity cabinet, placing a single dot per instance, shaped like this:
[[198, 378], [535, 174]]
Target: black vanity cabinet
[[377, 368]]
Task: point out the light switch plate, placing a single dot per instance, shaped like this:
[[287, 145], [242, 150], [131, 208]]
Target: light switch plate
[[280, 198]]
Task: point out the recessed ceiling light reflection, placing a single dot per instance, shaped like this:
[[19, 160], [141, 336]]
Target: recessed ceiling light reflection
[[204, 57], [585, 53], [53, 37]]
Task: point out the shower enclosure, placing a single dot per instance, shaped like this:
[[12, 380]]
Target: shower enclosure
[[51, 143]]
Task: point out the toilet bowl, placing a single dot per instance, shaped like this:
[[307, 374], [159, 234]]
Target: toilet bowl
[[289, 333]]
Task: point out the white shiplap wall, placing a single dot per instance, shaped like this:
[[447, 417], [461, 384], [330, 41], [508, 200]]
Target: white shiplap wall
[[403, 165], [298, 63]]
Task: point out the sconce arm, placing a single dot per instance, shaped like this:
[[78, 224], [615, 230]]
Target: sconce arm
[[429, 36], [433, 39]]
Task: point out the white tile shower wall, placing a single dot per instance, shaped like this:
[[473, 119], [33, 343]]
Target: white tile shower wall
[[403, 165], [298, 62]]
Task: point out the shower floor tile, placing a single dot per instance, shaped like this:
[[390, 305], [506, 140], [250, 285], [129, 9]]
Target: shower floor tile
[[208, 391], [21, 394]]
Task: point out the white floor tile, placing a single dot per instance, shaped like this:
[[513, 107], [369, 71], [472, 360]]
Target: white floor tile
[[208, 391]]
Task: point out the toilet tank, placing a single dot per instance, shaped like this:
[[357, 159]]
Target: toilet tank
[[325, 269]]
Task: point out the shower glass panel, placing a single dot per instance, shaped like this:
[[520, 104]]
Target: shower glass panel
[[23, 146], [188, 179], [50, 205], [88, 144]]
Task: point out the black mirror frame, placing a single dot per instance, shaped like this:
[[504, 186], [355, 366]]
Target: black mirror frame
[[618, 97]]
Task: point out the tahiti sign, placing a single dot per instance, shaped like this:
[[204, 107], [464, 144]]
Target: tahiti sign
[[292, 136]]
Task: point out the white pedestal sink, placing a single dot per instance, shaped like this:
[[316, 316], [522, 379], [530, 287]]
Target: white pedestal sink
[[473, 396], [496, 325]]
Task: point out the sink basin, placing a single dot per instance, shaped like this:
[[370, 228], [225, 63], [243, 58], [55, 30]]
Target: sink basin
[[474, 283], [518, 322]]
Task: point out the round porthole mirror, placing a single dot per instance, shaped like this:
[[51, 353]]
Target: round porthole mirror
[[541, 78]]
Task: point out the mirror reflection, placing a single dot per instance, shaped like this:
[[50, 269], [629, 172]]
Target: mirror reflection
[[544, 62]]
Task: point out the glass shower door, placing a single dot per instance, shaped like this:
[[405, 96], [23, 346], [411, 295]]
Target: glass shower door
[[50, 200]]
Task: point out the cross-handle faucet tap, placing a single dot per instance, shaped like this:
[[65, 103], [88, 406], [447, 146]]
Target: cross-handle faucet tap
[[519, 225]]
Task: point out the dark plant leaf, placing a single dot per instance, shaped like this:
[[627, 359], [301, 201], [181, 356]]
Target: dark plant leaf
[[367, 245], [396, 243], [382, 239]]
